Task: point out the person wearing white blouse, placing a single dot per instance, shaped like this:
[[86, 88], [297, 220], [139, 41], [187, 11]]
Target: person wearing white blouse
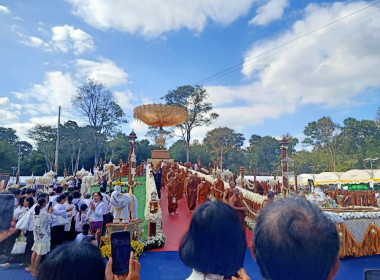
[[60, 219], [95, 213]]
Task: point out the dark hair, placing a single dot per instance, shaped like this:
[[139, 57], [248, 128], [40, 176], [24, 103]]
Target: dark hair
[[215, 242], [103, 189], [76, 194], [14, 191], [59, 198], [44, 195], [30, 201], [29, 191], [99, 194], [59, 189], [21, 200], [70, 198], [86, 228], [74, 261], [293, 239], [83, 207], [40, 202]]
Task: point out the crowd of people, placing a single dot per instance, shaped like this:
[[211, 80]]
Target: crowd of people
[[47, 220], [284, 243]]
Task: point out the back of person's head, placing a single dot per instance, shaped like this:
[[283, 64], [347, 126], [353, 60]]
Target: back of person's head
[[76, 194], [87, 195], [59, 189], [40, 203], [51, 193], [86, 228], [103, 189], [30, 201], [61, 197], [74, 261], [293, 239], [14, 191], [215, 242], [70, 198], [44, 195], [29, 191]]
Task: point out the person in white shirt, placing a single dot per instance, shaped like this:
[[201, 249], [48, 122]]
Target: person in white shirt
[[60, 219], [70, 227], [53, 198], [107, 217], [20, 208], [95, 213], [25, 224]]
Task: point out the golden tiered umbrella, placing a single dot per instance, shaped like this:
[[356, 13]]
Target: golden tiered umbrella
[[160, 115]]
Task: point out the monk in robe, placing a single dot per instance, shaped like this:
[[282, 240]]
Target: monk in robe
[[236, 202], [172, 196], [178, 181], [229, 192], [218, 188], [203, 190], [197, 179], [191, 193]]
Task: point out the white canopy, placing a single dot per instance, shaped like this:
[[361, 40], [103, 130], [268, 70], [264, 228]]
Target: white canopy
[[302, 179], [355, 176], [326, 178]]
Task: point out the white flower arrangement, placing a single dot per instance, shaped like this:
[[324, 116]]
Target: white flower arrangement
[[30, 181], [51, 174], [159, 239], [88, 181], [108, 166], [45, 180], [339, 217], [15, 186], [156, 241], [250, 222], [82, 173], [63, 182]]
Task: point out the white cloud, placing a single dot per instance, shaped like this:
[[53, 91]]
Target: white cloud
[[66, 37], [57, 89], [124, 99], [327, 68], [269, 12], [35, 42], [138, 127], [4, 10], [152, 18], [105, 71]]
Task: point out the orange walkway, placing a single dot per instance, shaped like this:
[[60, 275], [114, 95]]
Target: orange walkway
[[175, 227]]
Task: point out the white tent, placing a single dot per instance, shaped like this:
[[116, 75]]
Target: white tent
[[355, 176], [327, 178], [302, 179], [376, 175]]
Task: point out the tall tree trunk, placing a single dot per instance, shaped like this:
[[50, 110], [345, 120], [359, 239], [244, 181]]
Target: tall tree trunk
[[187, 145]]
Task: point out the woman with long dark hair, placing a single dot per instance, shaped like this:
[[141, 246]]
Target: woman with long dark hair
[[42, 234], [215, 244]]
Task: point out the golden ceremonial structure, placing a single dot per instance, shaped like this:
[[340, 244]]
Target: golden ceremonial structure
[[160, 115]]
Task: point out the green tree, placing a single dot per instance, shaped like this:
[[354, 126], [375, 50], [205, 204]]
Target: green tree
[[178, 151], [200, 111], [323, 135], [8, 157], [8, 135], [99, 107], [221, 139]]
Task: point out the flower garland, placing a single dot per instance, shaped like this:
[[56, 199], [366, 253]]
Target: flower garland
[[250, 222], [157, 241], [339, 217]]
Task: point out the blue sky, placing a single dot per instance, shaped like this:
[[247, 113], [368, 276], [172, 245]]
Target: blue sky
[[142, 49]]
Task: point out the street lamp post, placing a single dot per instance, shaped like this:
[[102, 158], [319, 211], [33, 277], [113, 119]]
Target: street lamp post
[[371, 160], [14, 168]]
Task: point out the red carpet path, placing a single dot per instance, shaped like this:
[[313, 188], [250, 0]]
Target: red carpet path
[[175, 227]]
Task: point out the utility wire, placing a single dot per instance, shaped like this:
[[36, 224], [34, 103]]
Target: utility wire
[[237, 66]]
